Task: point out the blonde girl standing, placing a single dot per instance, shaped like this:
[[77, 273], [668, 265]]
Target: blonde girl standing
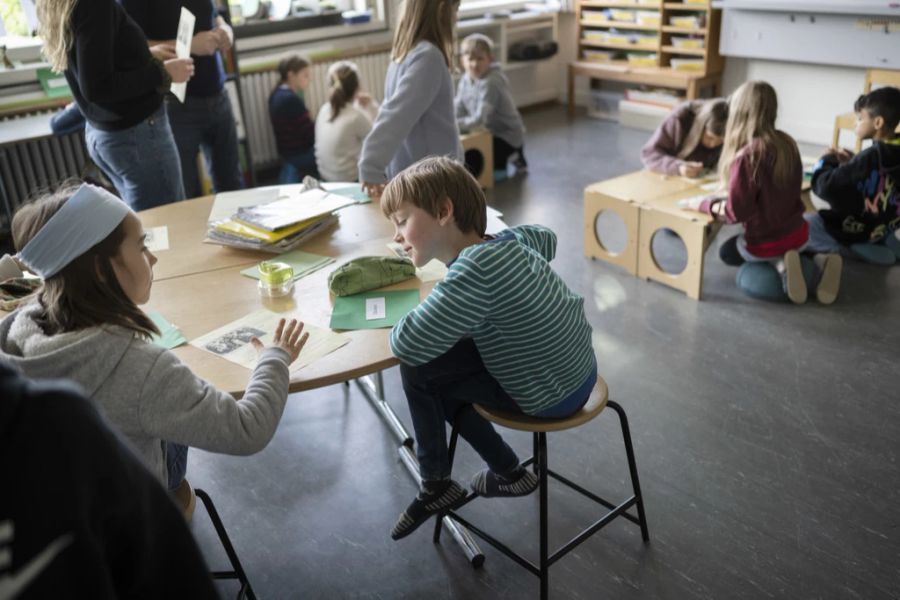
[[343, 123], [119, 86], [417, 118]]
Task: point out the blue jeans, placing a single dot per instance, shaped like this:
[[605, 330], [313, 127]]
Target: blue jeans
[[445, 389], [141, 161], [176, 463], [820, 241], [206, 124], [299, 166]]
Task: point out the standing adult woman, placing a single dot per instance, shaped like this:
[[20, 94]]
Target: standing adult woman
[[119, 86]]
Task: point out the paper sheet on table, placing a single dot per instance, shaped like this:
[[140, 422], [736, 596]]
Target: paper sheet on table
[[349, 190], [226, 204], [157, 238], [183, 47], [169, 335], [232, 341], [350, 311], [303, 263], [434, 270], [292, 208]]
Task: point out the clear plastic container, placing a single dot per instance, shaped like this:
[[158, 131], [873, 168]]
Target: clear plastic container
[[276, 279]]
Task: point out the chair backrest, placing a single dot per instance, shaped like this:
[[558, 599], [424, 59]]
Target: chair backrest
[[881, 78]]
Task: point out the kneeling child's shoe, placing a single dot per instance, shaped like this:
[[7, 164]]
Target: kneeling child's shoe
[[794, 282], [830, 267]]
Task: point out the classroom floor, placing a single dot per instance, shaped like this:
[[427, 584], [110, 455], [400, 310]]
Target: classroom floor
[[767, 439]]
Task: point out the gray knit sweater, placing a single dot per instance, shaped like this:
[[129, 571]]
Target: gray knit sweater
[[416, 118], [487, 102], [148, 393]]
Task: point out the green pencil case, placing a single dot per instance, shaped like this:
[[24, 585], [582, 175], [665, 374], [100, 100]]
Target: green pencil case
[[368, 273]]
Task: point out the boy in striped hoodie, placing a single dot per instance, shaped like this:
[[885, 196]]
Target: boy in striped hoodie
[[501, 330]]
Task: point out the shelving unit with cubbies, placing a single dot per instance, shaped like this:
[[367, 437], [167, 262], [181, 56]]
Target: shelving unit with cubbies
[[651, 42]]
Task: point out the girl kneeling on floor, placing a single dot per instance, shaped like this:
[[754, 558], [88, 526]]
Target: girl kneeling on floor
[[761, 170]]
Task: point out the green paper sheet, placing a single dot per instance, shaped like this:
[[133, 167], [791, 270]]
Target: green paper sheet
[[350, 311], [53, 84], [303, 263], [169, 336], [352, 191]]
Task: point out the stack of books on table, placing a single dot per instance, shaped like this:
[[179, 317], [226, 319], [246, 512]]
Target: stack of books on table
[[278, 225]]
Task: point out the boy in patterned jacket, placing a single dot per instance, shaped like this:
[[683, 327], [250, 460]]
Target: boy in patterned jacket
[[501, 329]]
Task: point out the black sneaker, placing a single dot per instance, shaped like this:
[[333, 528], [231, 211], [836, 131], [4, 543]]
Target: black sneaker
[[447, 496], [490, 485]]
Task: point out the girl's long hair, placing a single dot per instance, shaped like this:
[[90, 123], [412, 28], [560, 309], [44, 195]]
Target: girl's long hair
[[343, 82], [709, 115], [56, 31], [753, 109], [86, 292], [428, 20]]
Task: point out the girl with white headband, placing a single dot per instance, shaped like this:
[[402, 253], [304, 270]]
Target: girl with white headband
[[85, 325]]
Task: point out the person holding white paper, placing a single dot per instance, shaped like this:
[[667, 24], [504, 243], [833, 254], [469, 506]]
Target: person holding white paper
[[204, 121], [119, 87], [85, 325]]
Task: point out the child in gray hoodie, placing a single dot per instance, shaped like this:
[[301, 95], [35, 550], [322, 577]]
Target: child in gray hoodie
[[85, 325], [483, 99]]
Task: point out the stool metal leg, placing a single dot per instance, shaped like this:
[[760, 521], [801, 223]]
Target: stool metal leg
[[238, 570], [632, 468], [451, 452], [541, 463]]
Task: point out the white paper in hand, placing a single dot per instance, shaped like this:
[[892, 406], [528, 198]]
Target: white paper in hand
[[183, 46]]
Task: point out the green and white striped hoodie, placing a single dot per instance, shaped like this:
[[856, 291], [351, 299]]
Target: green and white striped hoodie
[[529, 327]]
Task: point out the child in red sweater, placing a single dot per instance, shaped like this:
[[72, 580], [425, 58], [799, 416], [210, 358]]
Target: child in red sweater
[[761, 169]]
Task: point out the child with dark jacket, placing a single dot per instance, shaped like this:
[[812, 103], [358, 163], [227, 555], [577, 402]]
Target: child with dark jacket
[[862, 191], [295, 131]]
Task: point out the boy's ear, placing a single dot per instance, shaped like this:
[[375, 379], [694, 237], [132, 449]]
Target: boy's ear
[[878, 123], [445, 212]]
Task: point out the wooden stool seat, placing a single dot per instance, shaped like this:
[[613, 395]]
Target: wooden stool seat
[[594, 406]]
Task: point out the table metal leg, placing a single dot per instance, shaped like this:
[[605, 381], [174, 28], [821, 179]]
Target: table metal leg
[[459, 533], [372, 387]]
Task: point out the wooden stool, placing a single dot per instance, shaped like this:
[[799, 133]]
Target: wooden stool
[[482, 141], [598, 400]]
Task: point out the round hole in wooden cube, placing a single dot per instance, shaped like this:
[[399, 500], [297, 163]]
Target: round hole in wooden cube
[[610, 231], [668, 251]]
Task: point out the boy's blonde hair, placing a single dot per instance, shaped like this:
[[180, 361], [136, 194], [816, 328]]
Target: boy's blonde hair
[[428, 20], [428, 182], [477, 43], [753, 108]]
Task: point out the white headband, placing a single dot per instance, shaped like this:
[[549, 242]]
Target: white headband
[[85, 219]]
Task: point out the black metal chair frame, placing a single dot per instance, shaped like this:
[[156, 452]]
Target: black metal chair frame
[[539, 463], [237, 571]]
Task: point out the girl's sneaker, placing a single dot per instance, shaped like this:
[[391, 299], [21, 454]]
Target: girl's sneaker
[[436, 497], [792, 275], [830, 267]]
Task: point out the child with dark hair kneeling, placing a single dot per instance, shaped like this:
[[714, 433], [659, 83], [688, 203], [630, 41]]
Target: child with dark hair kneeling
[[863, 191], [501, 329]]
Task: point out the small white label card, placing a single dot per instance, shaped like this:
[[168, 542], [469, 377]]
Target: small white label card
[[375, 309], [157, 238]]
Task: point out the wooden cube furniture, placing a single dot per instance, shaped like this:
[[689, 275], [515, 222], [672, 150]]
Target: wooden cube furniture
[[482, 141], [646, 203], [874, 78]]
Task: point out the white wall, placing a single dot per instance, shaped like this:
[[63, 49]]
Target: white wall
[[809, 96]]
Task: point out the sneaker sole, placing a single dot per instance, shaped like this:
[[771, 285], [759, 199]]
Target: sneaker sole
[[421, 520], [830, 282], [796, 284]]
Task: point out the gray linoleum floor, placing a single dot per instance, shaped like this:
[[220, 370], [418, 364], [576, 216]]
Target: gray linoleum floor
[[767, 438]]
